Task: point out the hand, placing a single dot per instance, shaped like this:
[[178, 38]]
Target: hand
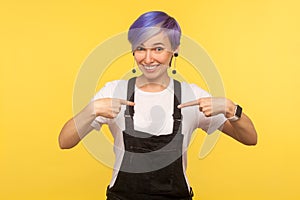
[[211, 106], [109, 107]]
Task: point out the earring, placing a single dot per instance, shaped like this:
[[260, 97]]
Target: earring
[[133, 69], [174, 70]]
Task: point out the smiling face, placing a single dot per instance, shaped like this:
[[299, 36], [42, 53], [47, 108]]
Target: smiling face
[[153, 58]]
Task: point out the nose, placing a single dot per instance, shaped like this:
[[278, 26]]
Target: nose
[[148, 57]]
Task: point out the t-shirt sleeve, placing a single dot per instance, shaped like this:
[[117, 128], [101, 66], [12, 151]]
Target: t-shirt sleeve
[[104, 92], [208, 124]]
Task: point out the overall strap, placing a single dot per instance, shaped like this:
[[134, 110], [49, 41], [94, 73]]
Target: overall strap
[[129, 112], [177, 117]]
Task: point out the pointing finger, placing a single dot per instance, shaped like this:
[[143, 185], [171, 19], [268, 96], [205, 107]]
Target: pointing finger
[[190, 103], [125, 102]]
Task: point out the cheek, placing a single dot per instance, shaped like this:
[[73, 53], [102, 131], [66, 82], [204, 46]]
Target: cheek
[[165, 59], [138, 59]]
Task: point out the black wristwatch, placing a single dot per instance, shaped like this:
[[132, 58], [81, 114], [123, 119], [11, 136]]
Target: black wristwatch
[[237, 114]]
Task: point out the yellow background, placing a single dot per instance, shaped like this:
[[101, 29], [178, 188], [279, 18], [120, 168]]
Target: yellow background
[[254, 44]]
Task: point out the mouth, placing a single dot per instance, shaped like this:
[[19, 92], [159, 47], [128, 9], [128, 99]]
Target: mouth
[[151, 67]]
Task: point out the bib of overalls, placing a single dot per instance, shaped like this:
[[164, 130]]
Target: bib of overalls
[[151, 168]]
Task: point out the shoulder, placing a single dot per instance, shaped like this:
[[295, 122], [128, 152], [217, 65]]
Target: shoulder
[[193, 91], [112, 89], [115, 84]]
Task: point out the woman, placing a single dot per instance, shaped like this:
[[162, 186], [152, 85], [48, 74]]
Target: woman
[[152, 117]]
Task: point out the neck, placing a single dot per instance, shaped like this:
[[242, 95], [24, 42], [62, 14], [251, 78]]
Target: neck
[[156, 85]]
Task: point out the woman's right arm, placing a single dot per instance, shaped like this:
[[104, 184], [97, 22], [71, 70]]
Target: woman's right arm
[[79, 126]]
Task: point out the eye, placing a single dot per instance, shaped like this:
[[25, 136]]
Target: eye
[[140, 49], [159, 49]]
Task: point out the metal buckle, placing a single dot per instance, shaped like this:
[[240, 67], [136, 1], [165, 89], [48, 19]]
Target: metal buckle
[[177, 119]]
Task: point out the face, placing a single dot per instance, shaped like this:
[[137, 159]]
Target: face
[[153, 57]]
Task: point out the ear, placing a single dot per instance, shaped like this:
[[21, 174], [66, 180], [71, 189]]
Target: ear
[[176, 51]]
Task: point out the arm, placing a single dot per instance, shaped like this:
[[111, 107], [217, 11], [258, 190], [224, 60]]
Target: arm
[[242, 130], [79, 126], [76, 128]]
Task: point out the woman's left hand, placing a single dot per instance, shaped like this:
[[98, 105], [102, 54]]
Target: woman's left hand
[[211, 106], [242, 130]]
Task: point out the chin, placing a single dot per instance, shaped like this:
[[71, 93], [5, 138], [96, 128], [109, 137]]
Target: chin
[[153, 77]]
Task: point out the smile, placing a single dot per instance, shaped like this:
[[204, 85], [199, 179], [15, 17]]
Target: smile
[[152, 67]]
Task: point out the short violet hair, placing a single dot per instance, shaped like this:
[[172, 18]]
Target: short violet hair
[[151, 23]]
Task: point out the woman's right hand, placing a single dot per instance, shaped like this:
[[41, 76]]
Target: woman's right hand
[[109, 107]]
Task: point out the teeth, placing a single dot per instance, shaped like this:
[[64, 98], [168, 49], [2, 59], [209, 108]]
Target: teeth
[[150, 67]]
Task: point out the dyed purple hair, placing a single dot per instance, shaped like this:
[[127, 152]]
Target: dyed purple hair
[[152, 23]]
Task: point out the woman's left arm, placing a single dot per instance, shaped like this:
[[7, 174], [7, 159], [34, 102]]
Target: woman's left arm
[[242, 129]]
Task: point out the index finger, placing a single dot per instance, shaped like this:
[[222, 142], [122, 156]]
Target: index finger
[[190, 103], [127, 103]]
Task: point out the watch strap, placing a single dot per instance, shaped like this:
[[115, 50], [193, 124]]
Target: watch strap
[[237, 114]]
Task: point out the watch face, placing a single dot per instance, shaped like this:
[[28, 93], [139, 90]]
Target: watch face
[[238, 111]]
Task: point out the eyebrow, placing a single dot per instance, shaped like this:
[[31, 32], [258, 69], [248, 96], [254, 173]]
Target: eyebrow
[[155, 44], [158, 43]]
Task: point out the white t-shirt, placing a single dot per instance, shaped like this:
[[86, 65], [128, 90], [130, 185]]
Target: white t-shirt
[[153, 114]]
